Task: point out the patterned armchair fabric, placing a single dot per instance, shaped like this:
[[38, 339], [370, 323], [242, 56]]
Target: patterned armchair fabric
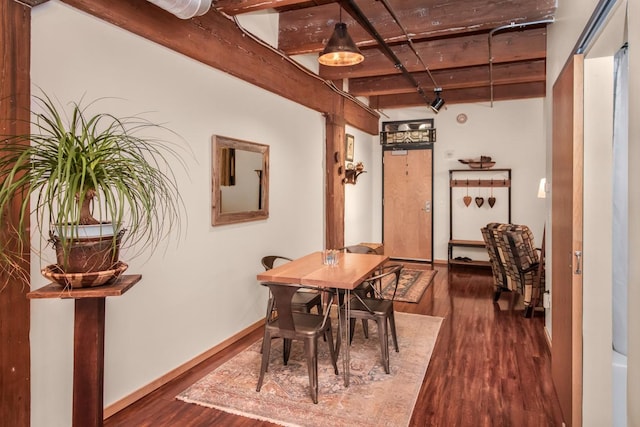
[[516, 260], [497, 266]]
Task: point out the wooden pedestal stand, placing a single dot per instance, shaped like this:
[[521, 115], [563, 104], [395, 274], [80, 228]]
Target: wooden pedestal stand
[[88, 344]]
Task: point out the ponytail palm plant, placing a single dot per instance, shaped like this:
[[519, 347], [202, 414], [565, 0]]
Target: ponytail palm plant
[[77, 168]]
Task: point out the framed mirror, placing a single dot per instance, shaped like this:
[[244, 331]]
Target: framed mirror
[[240, 176]]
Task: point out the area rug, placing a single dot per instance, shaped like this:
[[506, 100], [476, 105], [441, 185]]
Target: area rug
[[412, 285], [372, 399]]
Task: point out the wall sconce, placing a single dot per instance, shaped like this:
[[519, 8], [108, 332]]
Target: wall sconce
[[340, 49], [351, 174], [437, 103]]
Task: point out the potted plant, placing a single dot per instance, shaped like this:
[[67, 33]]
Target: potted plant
[[95, 171]]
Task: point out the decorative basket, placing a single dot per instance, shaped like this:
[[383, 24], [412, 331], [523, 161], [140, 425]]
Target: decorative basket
[[54, 273]]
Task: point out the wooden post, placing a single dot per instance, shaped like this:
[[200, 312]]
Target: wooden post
[[15, 354], [88, 362], [334, 170]]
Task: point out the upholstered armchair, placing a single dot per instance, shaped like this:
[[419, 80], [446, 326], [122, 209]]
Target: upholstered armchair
[[517, 262]]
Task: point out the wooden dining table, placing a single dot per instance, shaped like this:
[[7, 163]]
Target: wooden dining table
[[310, 271]]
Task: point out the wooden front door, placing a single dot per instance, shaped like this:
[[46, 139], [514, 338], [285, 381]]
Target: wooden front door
[[408, 203], [566, 215]]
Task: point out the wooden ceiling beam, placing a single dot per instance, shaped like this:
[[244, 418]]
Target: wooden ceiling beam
[[466, 51], [306, 30], [477, 76], [215, 40], [463, 96]]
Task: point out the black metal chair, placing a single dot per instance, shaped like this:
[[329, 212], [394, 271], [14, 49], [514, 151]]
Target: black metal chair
[[304, 300], [358, 249], [362, 289], [292, 325], [378, 309]]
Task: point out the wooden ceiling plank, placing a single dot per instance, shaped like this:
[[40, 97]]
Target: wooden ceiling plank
[[306, 30], [464, 96], [215, 40], [449, 53], [518, 72], [237, 7]]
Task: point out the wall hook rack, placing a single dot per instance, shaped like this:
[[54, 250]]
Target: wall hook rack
[[351, 176]]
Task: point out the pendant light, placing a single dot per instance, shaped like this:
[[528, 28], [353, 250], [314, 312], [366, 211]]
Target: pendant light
[[340, 50]]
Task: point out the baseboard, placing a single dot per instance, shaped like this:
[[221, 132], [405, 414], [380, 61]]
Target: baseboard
[[547, 337], [175, 373]]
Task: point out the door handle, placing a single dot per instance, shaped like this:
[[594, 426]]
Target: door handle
[[578, 255], [427, 206]]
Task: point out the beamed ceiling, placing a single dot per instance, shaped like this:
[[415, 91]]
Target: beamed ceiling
[[474, 50], [454, 39]]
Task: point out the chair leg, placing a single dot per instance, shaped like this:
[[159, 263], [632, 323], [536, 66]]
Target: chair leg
[[365, 328], [528, 311], [310, 348], [320, 313], [328, 337], [384, 342], [266, 350], [266, 320], [341, 327], [394, 336], [286, 350]]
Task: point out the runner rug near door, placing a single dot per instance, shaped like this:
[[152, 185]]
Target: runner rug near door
[[372, 399], [412, 285]]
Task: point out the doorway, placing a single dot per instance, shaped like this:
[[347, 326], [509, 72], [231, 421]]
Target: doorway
[[407, 200]]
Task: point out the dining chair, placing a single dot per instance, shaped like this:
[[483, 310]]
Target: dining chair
[[293, 325], [358, 249], [378, 309], [362, 288], [305, 299]]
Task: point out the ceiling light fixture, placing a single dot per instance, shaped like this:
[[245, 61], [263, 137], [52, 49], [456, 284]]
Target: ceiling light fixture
[[340, 50], [437, 103]]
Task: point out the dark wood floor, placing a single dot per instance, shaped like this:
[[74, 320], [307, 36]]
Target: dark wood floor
[[490, 366]]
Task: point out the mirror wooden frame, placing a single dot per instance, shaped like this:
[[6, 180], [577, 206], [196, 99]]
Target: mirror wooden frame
[[221, 218]]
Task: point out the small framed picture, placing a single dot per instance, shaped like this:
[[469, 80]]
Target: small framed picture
[[349, 147]]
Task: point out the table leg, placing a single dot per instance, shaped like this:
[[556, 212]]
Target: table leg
[[347, 336], [88, 362]]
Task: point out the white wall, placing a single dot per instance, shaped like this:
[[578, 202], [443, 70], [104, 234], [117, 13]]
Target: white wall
[[511, 132], [201, 290], [362, 202]]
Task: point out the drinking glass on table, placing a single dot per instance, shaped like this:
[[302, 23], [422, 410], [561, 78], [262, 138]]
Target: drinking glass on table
[[330, 257]]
